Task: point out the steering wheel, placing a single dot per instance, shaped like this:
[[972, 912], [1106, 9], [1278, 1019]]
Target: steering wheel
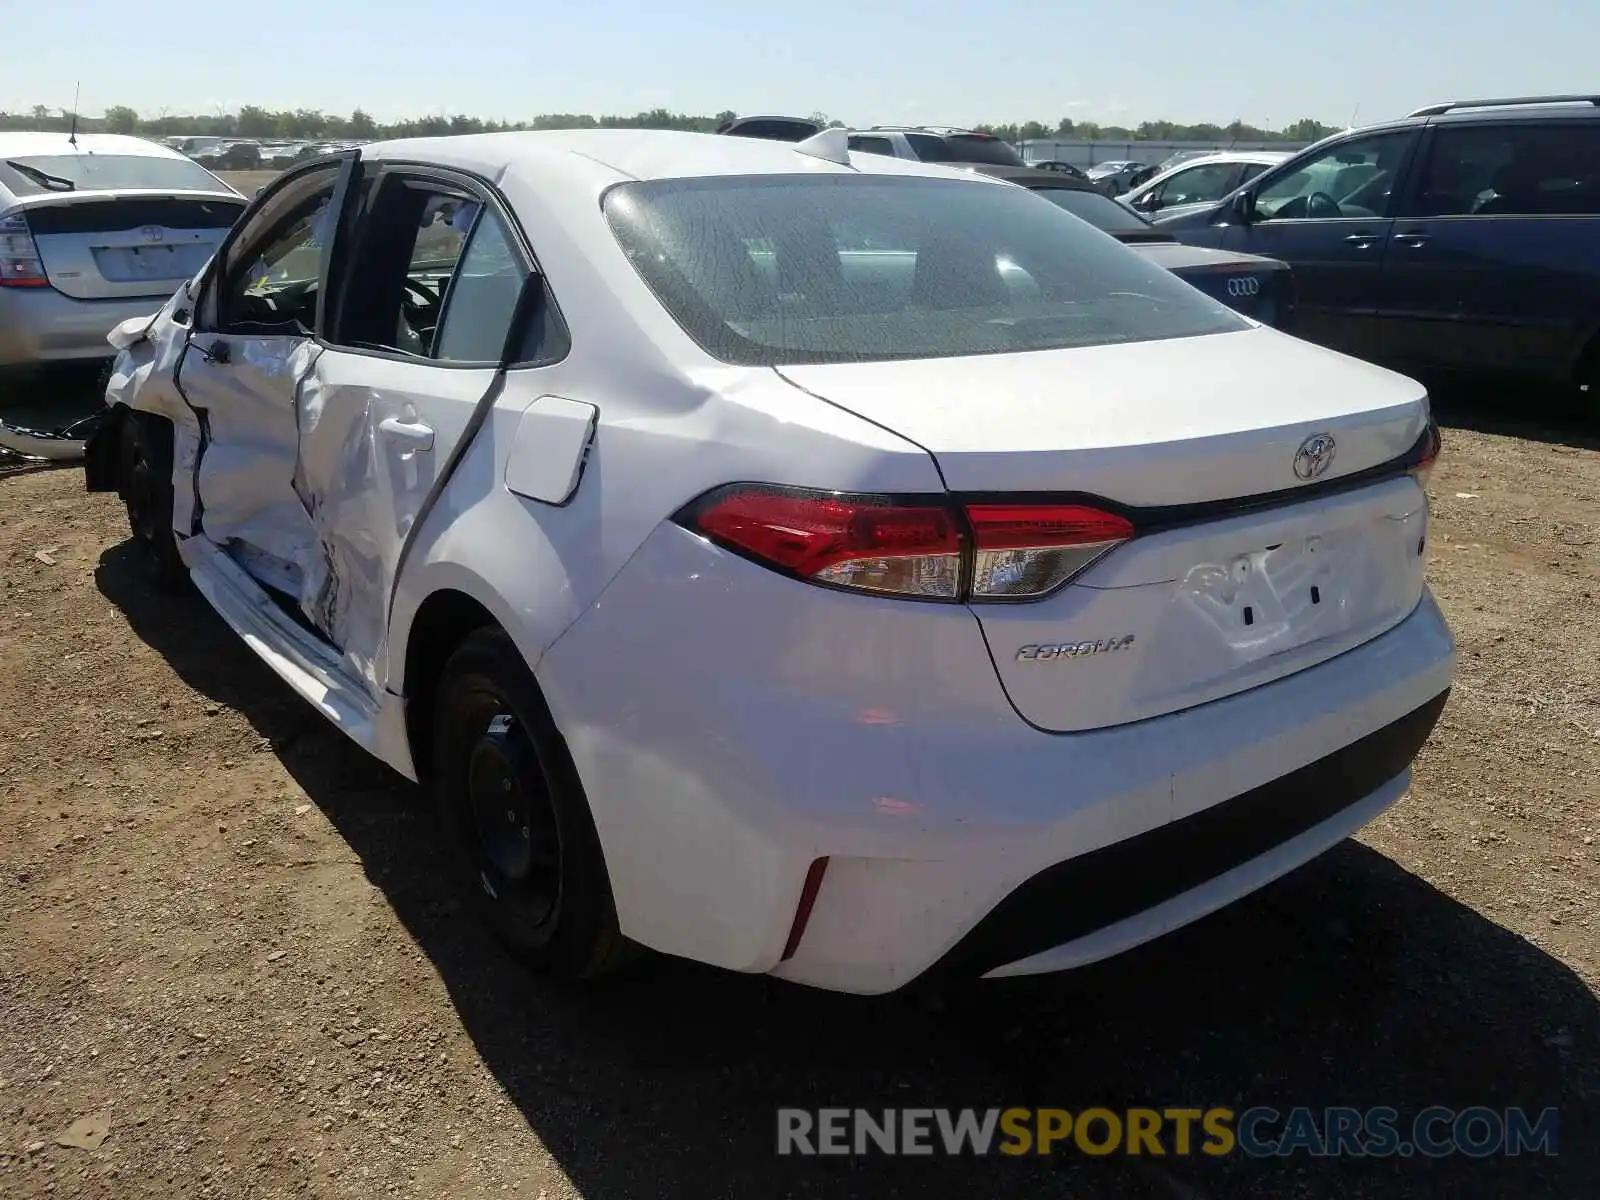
[[1322, 205], [426, 297]]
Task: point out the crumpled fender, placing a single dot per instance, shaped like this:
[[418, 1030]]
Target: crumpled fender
[[132, 331]]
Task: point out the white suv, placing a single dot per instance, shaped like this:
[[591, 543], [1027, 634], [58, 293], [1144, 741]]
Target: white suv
[[798, 560]]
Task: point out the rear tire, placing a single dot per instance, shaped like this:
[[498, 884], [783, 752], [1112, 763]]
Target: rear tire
[[515, 816], [145, 475]]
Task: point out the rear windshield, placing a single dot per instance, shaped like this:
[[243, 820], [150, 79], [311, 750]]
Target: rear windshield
[[964, 148], [107, 172], [1097, 208], [775, 269]]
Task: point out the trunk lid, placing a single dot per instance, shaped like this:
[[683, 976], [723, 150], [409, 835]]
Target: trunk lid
[[1221, 590], [1260, 288], [99, 246]]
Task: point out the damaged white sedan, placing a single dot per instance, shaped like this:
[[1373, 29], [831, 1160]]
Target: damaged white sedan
[[799, 561]]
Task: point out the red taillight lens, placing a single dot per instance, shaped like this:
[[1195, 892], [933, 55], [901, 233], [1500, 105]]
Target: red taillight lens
[[876, 544], [1024, 551], [1430, 453], [20, 265], [861, 542]]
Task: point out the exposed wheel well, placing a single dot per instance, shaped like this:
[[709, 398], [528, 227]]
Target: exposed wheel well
[[445, 618]]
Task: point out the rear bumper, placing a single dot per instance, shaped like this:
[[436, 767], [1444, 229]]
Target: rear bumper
[[1100, 903], [722, 755], [39, 326]]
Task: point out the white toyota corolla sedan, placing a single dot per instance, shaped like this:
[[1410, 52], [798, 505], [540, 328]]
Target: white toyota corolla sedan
[[805, 562]]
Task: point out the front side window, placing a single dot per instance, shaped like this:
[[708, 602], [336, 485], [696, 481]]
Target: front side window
[[1209, 182], [1352, 179], [271, 286], [1512, 170], [867, 268]]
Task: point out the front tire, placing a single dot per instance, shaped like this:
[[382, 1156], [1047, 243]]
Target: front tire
[[515, 815], [145, 474]]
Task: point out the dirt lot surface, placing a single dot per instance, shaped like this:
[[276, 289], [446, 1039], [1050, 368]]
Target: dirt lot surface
[[223, 935], [246, 182]]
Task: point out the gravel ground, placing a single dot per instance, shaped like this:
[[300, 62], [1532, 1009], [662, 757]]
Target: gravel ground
[[223, 937]]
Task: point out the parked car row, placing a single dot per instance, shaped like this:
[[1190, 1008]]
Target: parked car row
[[246, 154], [1249, 284], [1463, 238]]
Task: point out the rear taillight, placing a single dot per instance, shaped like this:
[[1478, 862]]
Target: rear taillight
[[1023, 551], [20, 265], [932, 550], [866, 543], [1431, 443]]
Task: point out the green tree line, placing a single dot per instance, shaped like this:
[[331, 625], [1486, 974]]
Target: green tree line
[[307, 123]]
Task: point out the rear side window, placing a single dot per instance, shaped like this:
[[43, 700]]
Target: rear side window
[[437, 276], [872, 145], [1512, 170], [770, 270], [1097, 208], [964, 148], [482, 300]]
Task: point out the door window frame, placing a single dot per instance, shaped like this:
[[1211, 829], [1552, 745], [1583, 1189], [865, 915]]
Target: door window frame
[[1399, 194], [246, 237], [537, 283]]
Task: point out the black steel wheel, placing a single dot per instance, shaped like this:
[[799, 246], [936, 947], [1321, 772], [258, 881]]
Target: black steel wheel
[[145, 482], [515, 815]]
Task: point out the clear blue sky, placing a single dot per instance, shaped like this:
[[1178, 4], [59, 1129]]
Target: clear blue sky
[[932, 62]]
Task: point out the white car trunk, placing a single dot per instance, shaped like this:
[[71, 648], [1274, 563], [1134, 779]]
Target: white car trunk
[[1211, 598], [98, 246]]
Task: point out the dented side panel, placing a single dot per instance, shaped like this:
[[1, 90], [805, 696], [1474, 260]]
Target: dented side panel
[[247, 467], [375, 437], [142, 379]]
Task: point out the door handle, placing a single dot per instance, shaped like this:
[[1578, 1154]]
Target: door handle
[[413, 433], [1361, 240], [1412, 239]]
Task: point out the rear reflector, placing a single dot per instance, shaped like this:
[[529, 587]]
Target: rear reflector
[[1432, 443], [927, 549], [802, 912], [20, 266]]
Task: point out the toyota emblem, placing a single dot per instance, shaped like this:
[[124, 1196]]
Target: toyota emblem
[[1314, 456], [152, 234], [1244, 285]]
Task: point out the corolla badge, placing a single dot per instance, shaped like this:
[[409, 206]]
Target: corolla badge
[[1055, 651], [1314, 456]]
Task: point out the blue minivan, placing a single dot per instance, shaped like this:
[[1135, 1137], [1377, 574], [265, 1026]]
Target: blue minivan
[[1462, 238]]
